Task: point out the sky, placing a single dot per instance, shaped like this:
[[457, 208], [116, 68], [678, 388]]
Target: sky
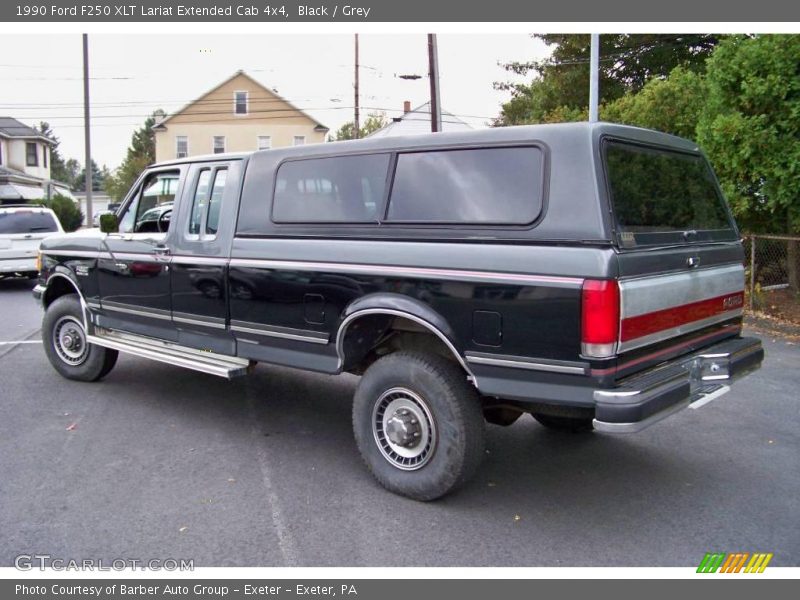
[[132, 75]]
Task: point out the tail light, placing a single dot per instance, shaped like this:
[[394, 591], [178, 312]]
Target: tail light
[[599, 318]]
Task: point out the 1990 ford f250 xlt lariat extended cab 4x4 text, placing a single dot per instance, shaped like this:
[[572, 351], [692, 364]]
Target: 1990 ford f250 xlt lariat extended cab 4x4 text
[[588, 274]]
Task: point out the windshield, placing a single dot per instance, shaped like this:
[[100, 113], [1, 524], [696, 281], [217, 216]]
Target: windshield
[[27, 221], [661, 196]]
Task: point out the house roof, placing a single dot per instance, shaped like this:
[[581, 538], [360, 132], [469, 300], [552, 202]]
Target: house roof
[[11, 128], [9, 174], [317, 125], [418, 120]]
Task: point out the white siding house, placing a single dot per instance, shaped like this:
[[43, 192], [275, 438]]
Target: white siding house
[[25, 164]]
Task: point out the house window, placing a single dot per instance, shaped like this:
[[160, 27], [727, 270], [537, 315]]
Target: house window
[[299, 140], [219, 144], [181, 146], [44, 155], [31, 155], [264, 142], [240, 103], [1, 153]]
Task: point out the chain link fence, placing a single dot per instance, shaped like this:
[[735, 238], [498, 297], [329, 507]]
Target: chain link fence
[[773, 275]]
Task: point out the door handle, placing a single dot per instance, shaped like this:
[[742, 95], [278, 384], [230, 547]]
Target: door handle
[[161, 250]]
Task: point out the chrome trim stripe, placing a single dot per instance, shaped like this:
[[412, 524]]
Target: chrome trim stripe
[[301, 335], [524, 363], [397, 313], [141, 312], [202, 322], [75, 253], [198, 318], [136, 256], [650, 294], [419, 272], [666, 334], [84, 308], [182, 259]]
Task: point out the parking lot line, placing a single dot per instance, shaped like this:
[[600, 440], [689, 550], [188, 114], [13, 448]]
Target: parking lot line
[[20, 342]]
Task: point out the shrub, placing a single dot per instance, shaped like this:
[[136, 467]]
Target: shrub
[[67, 211]]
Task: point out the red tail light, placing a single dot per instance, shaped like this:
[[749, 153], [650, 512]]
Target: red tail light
[[599, 318]]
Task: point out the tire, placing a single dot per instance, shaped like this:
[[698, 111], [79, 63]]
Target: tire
[[439, 404], [79, 360], [567, 424]]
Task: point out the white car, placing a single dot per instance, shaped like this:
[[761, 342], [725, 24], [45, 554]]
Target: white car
[[22, 229]]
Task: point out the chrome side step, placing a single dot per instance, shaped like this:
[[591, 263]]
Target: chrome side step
[[173, 354]]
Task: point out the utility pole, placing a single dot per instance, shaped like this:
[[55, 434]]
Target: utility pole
[[594, 78], [433, 73], [87, 136], [356, 121]]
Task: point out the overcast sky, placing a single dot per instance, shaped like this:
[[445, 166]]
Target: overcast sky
[[41, 77]]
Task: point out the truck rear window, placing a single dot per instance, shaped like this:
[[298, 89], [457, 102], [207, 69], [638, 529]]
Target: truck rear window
[[27, 221], [664, 197]]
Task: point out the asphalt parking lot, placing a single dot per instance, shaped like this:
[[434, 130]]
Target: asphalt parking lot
[[160, 462]]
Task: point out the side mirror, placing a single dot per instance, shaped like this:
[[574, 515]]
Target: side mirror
[[109, 223]]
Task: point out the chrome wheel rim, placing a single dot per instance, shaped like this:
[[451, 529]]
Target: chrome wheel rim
[[69, 341], [404, 429]]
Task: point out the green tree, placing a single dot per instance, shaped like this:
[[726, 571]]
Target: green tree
[[58, 168], [98, 178], [672, 105], [72, 169], [141, 154], [373, 122], [750, 127], [627, 63]]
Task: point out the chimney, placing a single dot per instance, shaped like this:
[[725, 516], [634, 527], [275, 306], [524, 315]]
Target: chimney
[[406, 107]]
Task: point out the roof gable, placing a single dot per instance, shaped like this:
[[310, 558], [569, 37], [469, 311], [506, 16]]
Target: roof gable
[[211, 107], [11, 128]]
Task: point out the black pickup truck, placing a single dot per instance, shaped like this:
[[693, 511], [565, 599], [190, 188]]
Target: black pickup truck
[[588, 274]]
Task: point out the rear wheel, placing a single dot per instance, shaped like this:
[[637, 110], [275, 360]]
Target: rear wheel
[[418, 424], [567, 424], [64, 338]]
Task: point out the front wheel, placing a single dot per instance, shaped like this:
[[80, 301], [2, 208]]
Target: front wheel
[[64, 338], [418, 424]]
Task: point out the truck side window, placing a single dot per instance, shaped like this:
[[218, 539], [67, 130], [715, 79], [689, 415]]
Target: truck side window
[[485, 185], [345, 189], [215, 202], [199, 201], [150, 209], [207, 201]]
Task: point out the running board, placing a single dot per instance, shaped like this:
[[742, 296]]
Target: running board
[[172, 354]]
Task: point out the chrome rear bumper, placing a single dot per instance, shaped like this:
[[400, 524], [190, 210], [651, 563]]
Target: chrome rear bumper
[[647, 398]]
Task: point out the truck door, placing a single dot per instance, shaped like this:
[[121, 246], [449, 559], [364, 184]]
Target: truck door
[[133, 272], [203, 234]]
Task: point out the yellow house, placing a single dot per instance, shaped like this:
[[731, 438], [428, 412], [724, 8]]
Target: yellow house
[[238, 115]]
